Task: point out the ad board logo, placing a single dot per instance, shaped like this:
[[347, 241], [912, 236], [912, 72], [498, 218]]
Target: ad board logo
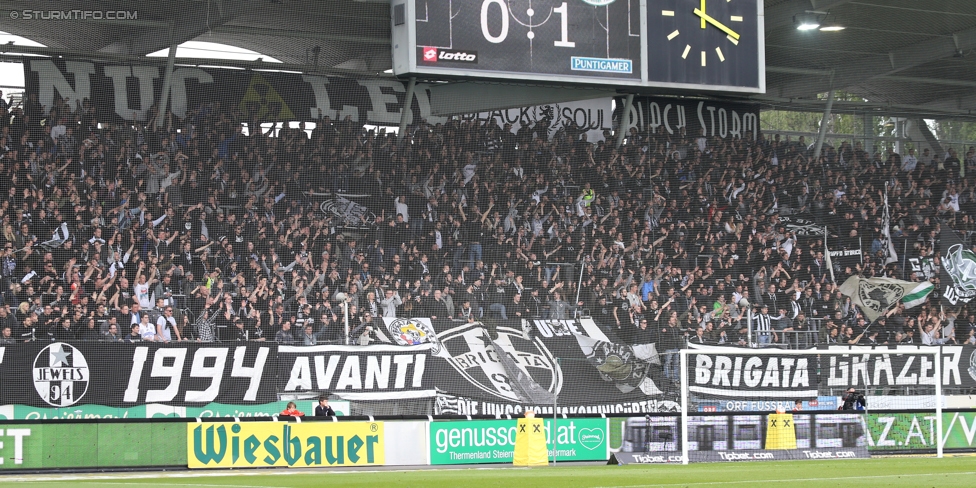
[[430, 54], [591, 438], [493, 441], [599, 3], [61, 375], [414, 332], [601, 65]]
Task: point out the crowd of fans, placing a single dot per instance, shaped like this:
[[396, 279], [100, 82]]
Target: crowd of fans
[[207, 228]]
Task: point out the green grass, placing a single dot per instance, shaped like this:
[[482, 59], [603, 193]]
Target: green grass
[[887, 472]]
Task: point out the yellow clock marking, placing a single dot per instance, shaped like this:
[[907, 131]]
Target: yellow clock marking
[[736, 18], [684, 55], [703, 11], [734, 40], [721, 57], [703, 59], [673, 35], [706, 18], [667, 13]]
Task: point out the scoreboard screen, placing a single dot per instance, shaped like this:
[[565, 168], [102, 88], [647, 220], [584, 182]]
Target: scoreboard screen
[[616, 42]]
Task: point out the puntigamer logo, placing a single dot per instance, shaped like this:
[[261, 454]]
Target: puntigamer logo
[[60, 375], [598, 3]]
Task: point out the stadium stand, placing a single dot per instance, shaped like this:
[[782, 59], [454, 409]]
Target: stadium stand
[[658, 241]]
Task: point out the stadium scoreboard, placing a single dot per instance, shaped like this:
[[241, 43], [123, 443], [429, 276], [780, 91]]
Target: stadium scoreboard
[[686, 44]]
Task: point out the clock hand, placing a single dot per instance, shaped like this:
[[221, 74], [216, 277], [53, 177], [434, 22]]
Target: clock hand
[[716, 23]]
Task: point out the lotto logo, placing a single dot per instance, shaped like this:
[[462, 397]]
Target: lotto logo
[[433, 55], [458, 56]]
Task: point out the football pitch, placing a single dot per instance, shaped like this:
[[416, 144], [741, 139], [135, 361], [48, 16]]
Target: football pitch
[[887, 472]]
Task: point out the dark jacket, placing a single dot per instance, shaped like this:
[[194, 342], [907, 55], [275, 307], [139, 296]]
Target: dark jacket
[[321, 411], [854, 401]]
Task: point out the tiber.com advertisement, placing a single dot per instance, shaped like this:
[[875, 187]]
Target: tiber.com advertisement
[[493, 441]]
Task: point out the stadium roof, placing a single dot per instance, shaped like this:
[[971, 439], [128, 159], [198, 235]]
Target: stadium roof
[[918, 57]]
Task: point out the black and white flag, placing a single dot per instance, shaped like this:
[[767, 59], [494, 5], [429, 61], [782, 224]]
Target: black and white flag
[[958, 269], [61, 235], [890, 256]]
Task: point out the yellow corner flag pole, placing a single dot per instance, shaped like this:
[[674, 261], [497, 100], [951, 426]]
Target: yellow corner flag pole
[[780, 431], [531, 448]]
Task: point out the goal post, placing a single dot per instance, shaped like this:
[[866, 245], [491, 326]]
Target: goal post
[[746, 385]]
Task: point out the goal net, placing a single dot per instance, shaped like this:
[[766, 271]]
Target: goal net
[[749, 404]]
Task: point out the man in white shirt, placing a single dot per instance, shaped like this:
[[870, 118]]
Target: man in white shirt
[[400, 206], [909, 162], [166, 326], [146, 329], [390, 303], [141, 288]]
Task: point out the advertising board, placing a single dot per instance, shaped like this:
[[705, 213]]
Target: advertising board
[[156, 410], [262, 444], [493, 441], [91, 445], [914, 431]]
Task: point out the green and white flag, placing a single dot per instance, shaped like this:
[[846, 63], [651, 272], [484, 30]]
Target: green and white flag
[[918, 295], [875, 296]]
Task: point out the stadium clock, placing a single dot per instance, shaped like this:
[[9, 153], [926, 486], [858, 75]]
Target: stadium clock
[[713, 43]]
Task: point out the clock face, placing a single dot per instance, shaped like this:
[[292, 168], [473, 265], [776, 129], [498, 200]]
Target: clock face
[[705, 42]]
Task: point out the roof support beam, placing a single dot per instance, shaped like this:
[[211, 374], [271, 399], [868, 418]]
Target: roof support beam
[[869, 67], [201, 18], [270, 32], [928, 81], [11, 53], [901, 79], [949, 109], [798, 71], [965, 104]]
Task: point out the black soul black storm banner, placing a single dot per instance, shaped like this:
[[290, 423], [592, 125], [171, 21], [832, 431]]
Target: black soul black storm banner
[[696, 118]]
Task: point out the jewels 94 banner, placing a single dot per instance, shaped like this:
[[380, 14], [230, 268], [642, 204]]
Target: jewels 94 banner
[[119, 375]]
